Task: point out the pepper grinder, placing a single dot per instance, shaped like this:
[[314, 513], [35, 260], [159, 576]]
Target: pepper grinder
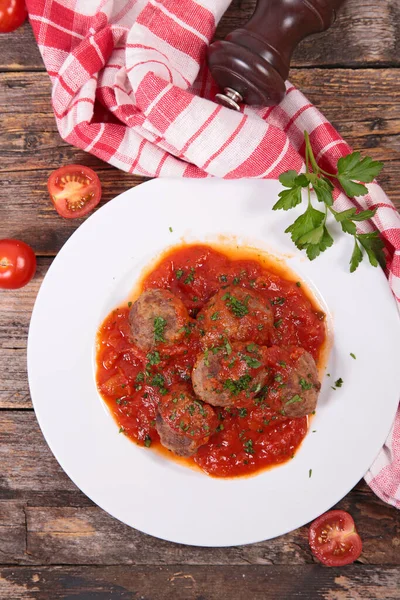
[[252, 64]]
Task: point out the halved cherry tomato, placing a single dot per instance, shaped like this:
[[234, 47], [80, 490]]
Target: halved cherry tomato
[[75, 190], [17, 264], [334, 540], [12, 15]]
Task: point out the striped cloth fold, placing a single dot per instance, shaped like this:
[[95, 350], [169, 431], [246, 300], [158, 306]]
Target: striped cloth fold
[[130, 85]]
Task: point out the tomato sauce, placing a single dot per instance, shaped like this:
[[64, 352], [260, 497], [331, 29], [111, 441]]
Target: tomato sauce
[[132, 383]]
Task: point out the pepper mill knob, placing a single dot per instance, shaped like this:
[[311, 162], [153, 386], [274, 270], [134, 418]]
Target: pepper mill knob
[[252, 64]]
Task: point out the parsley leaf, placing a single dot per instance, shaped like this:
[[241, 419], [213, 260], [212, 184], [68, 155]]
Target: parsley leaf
[[353, 167], [238, 308], [238, 385], [251, 362], [287, 178], [288, 199], [356, 257], [323, 189], [190, 277], [159, 325], [153, 358], [373, 245], [293, 400], [305, 224]]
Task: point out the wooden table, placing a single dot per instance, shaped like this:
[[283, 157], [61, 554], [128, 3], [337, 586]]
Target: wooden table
[[54, 542]]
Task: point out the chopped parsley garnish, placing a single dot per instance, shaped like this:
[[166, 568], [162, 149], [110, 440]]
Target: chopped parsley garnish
[[220, 427], [305, 385], [158, 381], [293, 400], [235, 280], [309, 473], [228, 347], [251, 347], [140, 376], [223, 278], [129, 304], [238, 308], [153, 358], [170, 228], [159, 325], [118, 401], [278, 301], [238, 385], [215, 316], [121, 430], [353, 355], [248, 447], [242, 412], [190, 276], [339, 382], [298, 283], [206, 360], [278, 377], [251, 362], [282, 363], [191, 409], [195, 299], [183, 426], [186, 329], [201, 408], [147, 441], [179, 273], [260, 327], [278, 323]]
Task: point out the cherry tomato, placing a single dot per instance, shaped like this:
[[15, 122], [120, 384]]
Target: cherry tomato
[[75, 190], [12, 14], [334, 540], [17, 264]]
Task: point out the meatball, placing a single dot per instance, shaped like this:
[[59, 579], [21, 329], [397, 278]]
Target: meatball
[[157, 317], [183, 422], [295, 383], [230, 375], [237, 314]]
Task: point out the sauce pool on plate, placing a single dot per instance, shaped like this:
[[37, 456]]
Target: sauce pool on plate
[[133, 382]]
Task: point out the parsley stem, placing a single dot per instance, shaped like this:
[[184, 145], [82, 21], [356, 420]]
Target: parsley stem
[[310, 155]]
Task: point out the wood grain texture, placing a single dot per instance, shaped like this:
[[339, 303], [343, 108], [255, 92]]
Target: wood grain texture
[[347, 43], [53, 523], [364, 105], [310, 582]]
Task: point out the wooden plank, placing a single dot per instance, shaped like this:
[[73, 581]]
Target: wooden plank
[[365, 32], [12, 532], [26, 211], [74, 531], [309, 582], [15, 311]]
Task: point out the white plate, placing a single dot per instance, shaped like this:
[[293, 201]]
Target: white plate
[[95, 271]]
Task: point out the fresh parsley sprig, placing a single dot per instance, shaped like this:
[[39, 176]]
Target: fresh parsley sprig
[[309, 232]]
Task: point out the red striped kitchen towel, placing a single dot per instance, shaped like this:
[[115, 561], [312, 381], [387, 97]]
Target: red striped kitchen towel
[[130, 85]]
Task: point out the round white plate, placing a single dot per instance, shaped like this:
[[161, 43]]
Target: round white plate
[[95, 271]]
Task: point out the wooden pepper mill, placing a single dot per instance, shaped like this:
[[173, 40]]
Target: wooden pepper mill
[[252, 63]]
